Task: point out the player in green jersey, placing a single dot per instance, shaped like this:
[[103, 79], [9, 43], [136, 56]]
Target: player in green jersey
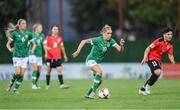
[[100, 45], [19, 37], [35, 59]]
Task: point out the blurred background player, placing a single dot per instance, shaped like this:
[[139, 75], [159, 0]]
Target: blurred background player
[[19, 37], [54, 47], [153, 55], [100, 45], [35, 59]]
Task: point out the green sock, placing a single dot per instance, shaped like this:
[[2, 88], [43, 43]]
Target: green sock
[[34, 77], [89, 91], [97, 82], [18, 82], [14, 77]]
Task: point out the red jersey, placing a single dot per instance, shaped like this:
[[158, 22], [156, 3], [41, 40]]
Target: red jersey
[[54, 43], [158, 48]]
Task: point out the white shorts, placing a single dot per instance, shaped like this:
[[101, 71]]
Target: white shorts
[[91, 63], [36, 60], [21, 62]]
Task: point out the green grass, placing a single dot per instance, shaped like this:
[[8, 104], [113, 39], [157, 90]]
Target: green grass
[[165, 94]]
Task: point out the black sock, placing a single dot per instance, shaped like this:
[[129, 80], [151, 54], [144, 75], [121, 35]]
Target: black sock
[[152, 79], [47, 79], [60, 77]]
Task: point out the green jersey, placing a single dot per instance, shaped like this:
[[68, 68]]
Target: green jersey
[[38, 39], [20, 43], [99, 48]]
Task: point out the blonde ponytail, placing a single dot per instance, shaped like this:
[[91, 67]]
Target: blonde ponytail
[[11, 27]]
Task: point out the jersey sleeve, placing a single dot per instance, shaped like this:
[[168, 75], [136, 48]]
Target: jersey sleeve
[[94, 40], [113, 42], [31, 37], [43, 36], [12, 36], [171, 50], [154, 44]]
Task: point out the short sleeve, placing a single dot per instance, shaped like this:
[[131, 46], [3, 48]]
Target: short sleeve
[[171, 50], [31, 38], [43, 36], [12, 36], [154, 44], [113, 42], [94, 40]]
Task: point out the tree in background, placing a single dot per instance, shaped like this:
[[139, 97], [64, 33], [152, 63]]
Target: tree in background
[[11, 11], [91, 15], [146, 18], [149, 17]]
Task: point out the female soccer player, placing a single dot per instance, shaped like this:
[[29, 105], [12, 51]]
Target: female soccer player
[[100, 45], [35, 59], [54, 47], [153, 55], [19, 37]]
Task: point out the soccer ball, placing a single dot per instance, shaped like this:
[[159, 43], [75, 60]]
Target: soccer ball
[[104, 93]]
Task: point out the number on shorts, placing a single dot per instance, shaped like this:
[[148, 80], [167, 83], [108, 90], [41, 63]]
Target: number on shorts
[[154, 63]]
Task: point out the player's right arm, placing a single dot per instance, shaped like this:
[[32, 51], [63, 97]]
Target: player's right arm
[[81, 45], [10, 40], [8, 45], [152, 46], [46, 48], [146, 52], [171, 56]]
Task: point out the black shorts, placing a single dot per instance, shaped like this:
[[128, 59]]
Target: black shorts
[[154, 65], [53, 63]]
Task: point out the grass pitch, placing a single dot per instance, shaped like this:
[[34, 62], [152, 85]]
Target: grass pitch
[[124, 94]]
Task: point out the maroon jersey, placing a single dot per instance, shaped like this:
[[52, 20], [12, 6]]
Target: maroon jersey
[[54, 43], [158, 48]]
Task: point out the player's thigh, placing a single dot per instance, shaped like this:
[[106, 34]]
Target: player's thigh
[[17, 70], [155, 67], [23, 70], [39, 69], [157, 72], [59, 69], [97, 69]]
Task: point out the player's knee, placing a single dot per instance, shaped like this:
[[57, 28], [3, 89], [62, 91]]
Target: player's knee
[[99, 73], [157, 72]]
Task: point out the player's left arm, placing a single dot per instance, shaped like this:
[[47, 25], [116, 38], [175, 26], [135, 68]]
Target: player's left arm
[[31, 38], [120, 47], [171, 56], [34, 46], [64, 52]]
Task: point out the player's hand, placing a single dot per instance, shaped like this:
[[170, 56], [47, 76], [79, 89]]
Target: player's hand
[[122, 42], [11, 49], [75, 54], [65, 58], [143, 61]]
